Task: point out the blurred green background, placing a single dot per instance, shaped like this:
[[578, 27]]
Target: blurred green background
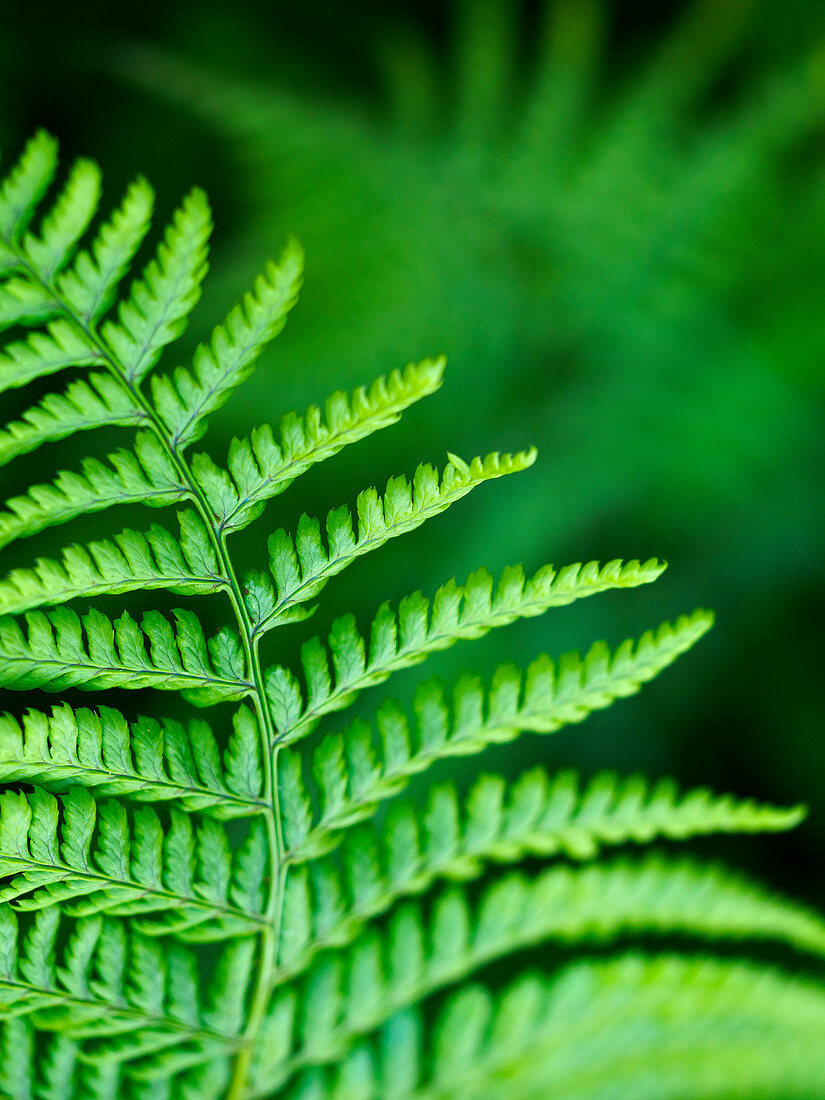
[[610, 214]]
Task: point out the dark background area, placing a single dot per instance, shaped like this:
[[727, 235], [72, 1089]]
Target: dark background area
[[611, 216]]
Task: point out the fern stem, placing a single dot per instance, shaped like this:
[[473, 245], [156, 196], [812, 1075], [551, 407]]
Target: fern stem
[[270, 933]]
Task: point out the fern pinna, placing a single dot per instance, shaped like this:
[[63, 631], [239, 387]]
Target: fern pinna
[[204, 903]]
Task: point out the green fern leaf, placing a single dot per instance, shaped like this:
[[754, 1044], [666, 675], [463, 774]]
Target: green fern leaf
[[129, 562], [262, 466], [459, 612], [90, 858], [109, 983], [155, 311], [24, 303], [538, 815], [97, 403], [26, 184], [65, 223], [150, 760], [67, 1071], [59, 649], [301, 566], [666, 1027], [385, 972], [184, 913], [353, 775], [92, 281], [57, 347], [146, 475], [602, 901], [185, 399], [24, 300], [17, 1041]]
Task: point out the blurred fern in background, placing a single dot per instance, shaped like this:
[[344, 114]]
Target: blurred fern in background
[[612, 220]]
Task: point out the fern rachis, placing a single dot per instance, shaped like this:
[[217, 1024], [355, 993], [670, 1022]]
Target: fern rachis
[[203, 906]]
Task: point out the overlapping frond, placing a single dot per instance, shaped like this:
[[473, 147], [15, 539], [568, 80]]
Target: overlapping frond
[[267, 463], [661, 1028], [352, 773], [150, 760], [38, 1067], [89, 857], [34, 1066], [59, 649], [128, 562], [335, 673], [302, 565]]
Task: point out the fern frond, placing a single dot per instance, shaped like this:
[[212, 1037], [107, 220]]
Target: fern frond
[[17, 1068], [62, 226], [539, 815], [106, 981], [184, 399], [155, 310], [352, 774], [334, 675], [42, 1066], [324, 908], [25, 303], [26, 184], [302, 565], [143, 946], [87, 857], [150, 760], [97, 403], [91, 282], [57, 347], [262, 466], [59, 649], [129, 562], [65, 223], [420, 952], [146, 475], [194, 1080], [656, 1028]]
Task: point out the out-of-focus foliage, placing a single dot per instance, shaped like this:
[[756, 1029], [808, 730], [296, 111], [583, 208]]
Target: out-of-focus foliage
[[612, 219]]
